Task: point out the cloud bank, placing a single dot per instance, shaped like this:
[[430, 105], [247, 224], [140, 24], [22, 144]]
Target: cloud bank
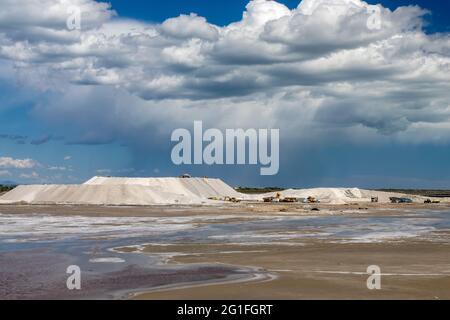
[[320, 72]]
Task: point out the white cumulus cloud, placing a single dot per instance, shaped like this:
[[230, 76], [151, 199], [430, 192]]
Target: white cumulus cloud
[[10, 163]]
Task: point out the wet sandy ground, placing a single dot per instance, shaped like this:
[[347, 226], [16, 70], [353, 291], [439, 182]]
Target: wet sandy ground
[[209, 259], [417, 270]]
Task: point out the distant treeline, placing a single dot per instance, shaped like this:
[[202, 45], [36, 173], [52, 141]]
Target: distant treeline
[[258, 190], [6, 188], [421, 192]]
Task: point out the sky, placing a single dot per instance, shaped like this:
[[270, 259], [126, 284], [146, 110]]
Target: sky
[[223, 12], [356, 106]]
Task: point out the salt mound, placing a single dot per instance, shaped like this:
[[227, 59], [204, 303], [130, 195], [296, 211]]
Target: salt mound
[[124, 191], [190, 187], [325, 195]]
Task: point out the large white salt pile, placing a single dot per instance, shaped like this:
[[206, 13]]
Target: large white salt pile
[[329, 195], [124, 191], [325, 195], [344, 195], [190, 187]]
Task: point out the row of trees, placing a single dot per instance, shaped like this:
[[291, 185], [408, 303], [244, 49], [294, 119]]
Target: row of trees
[[6, 188]]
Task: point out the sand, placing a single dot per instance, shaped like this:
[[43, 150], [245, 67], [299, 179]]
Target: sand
[[415, 270]]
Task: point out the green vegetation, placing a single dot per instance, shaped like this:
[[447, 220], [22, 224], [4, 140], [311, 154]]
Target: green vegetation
[[248, 190], [4, 189]]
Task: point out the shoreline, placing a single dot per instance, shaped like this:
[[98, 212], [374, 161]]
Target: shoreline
[[253, 277]]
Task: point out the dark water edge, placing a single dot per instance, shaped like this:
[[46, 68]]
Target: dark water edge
[[41, 274]]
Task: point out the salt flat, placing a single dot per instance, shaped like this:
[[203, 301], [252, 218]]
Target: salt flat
[[245, 250]]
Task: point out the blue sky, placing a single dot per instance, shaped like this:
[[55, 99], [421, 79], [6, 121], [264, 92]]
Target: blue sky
[[354, 108]]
